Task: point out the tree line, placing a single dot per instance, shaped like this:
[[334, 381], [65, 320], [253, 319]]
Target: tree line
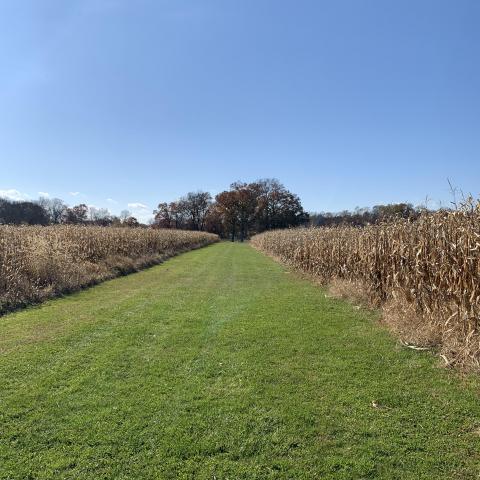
[[51, 211], [366, 216], [237, 213]]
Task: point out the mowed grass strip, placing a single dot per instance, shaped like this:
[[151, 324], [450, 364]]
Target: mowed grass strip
[[221, 364]]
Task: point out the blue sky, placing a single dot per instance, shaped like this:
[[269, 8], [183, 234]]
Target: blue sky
[[347, 102]]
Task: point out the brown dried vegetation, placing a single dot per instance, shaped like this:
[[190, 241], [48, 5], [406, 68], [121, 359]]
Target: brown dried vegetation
[[424, 274], [39, 262]]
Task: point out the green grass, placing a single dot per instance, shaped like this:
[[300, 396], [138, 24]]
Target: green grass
[[219, 364]]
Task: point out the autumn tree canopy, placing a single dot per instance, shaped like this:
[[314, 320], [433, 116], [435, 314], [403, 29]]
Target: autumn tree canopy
[[244, 209]]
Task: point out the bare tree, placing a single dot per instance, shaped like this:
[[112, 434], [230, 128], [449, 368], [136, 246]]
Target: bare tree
[[98, 215], [196, 205], [124, 214], [163, 216], [131, 222], [55, 208], [76, 214]]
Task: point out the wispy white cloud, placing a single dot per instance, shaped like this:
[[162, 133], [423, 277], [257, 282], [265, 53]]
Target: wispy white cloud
[[137, 205], [74, 194], [111, 200], [140, 211], [44, 194], [13, 194]]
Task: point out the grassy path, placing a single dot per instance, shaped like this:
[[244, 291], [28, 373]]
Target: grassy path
[[220, 365]]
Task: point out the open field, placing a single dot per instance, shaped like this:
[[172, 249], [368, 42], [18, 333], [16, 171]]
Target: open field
[[425, 274], [40, 262], [220, 364]]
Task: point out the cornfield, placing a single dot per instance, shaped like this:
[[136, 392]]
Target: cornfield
[[424, 274], [39, 262]]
